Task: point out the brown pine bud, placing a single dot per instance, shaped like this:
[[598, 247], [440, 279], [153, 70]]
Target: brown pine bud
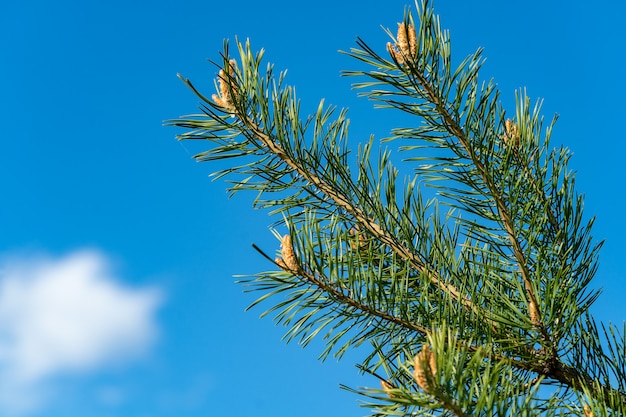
[[588, 411], [402, 41], [387, 387], [392, 51], [409, 48], [289, 262], [280, 263], [533, 311], [511, 134], [227, 87], [425, 369], [405, 48], [358, 240]]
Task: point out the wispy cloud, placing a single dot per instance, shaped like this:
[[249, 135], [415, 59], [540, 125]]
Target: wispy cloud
[[62, 316]]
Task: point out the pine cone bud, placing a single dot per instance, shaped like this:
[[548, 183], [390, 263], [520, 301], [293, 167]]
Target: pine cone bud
[[511, 133], [228, 87], [280, 263], [289, 261], [358, 240], [533, 311], [425, 369], [406, 44], [387, 387]]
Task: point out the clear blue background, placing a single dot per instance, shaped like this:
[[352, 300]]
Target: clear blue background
[[85, 162]]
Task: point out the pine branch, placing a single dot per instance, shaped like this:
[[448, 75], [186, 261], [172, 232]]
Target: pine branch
[[455, 129], [368, 223], [420, 80], [332, 290], [517, 282]]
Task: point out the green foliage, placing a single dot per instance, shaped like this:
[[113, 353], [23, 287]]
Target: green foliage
[[492, 275]]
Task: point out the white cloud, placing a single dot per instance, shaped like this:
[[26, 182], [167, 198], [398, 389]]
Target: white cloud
[[65, 316]]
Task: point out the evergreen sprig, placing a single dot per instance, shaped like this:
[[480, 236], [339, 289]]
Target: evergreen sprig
[[474, 302]]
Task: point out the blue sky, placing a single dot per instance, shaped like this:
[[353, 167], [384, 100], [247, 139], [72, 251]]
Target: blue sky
[[117, 251]]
